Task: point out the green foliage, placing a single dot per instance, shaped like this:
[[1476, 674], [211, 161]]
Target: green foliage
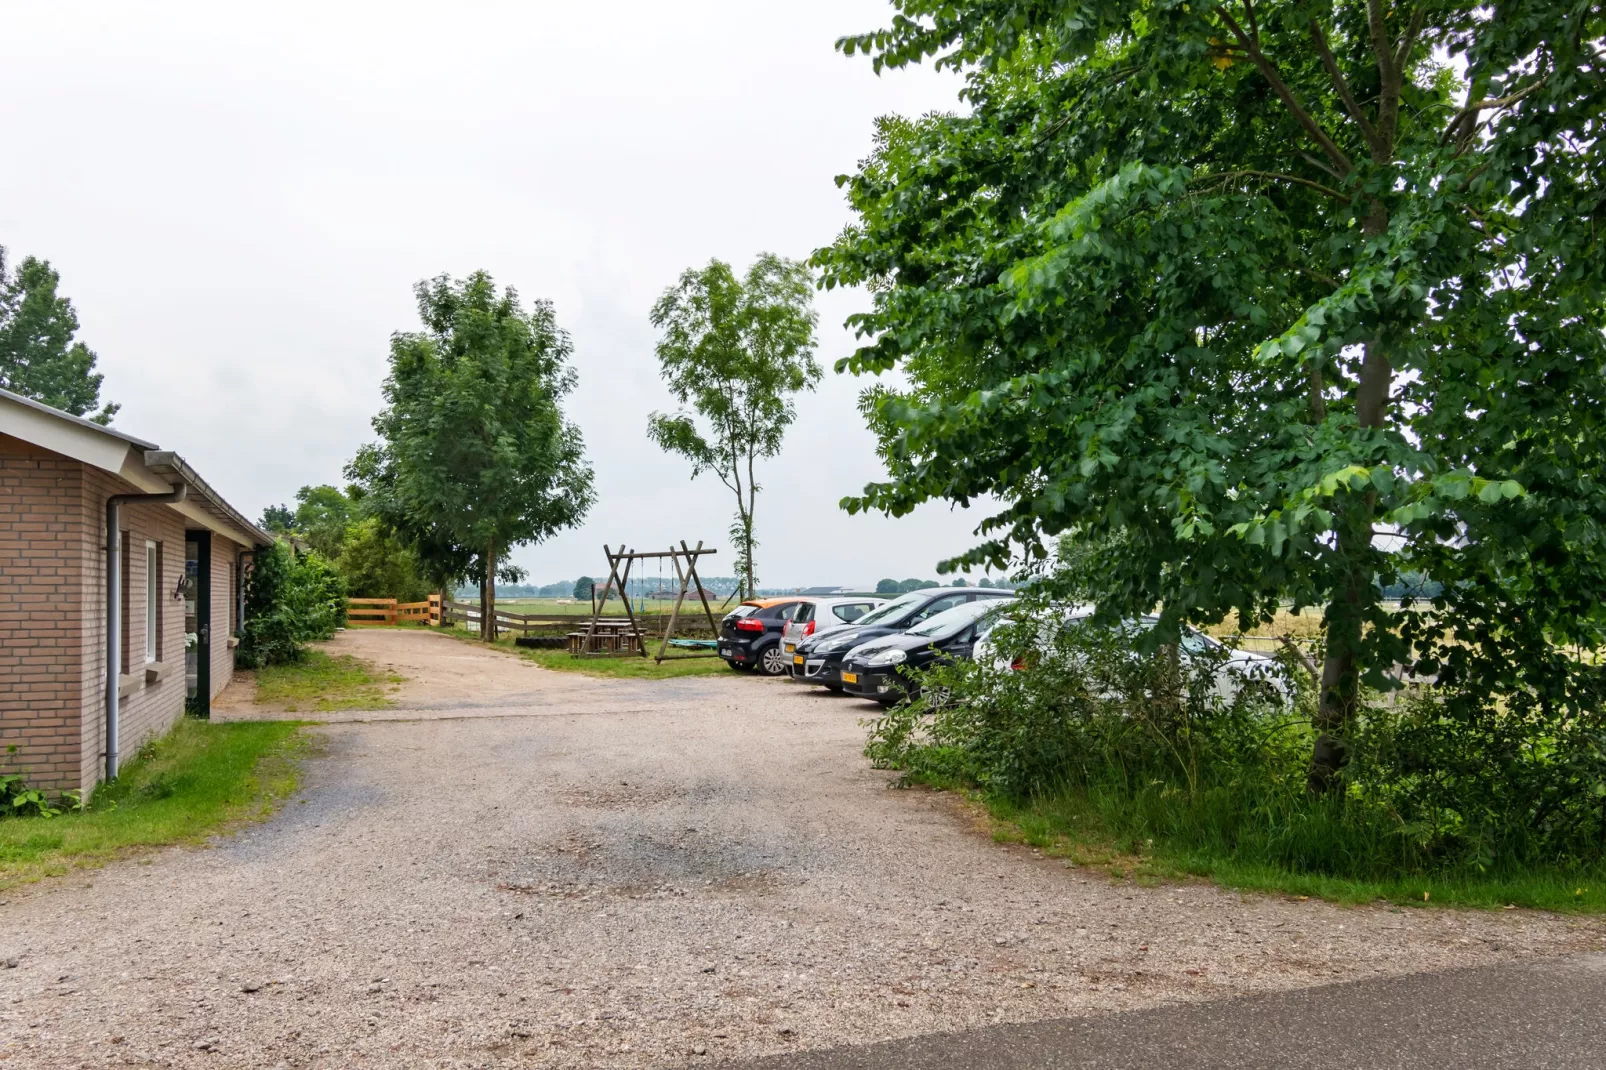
[[1144, 750], [582, 588], [914, 584], [279, 519], [38, 357], [1237, 289], [290, 599], [376, 564], [476, 455], [888, 586], [322, 516], [736, 351], [17, 799]]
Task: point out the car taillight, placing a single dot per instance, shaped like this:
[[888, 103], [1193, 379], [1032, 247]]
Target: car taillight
[[810, 629], [1018, 664], [748, 624]]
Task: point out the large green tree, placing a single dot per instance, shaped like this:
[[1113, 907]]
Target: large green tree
[[736, 351], [39, 357], [1273, 300], [476, 455]]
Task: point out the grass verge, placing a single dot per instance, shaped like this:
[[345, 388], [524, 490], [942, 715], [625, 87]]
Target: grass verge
[[199, 780], [634, 668], [1072, 827], [320, 683]]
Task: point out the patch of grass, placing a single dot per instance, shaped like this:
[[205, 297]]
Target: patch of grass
[[632, 668], [321, 683], [1072, 826], [199, 780]]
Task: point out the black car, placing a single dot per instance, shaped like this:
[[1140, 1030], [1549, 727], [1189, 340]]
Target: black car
[[880, 669], [750, 634], [818, 659]]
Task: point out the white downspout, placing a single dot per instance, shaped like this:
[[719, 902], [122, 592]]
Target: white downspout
[[114, 606]]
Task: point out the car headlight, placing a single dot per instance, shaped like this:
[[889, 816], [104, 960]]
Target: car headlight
[[839, 643], [887, 657]]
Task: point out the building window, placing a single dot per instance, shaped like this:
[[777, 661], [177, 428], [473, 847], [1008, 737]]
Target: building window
[[153, 601]]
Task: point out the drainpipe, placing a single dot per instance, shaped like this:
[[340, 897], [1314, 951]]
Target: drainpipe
[[114, 605]]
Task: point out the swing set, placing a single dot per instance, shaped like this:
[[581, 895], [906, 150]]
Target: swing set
[[600, 639]]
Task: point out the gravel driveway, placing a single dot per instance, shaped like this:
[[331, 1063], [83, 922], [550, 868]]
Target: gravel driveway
[[564, 871]]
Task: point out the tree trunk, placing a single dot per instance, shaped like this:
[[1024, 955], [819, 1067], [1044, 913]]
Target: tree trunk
[[488, 600]]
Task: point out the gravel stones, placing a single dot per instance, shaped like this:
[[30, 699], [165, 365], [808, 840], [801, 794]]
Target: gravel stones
[[706, 869]]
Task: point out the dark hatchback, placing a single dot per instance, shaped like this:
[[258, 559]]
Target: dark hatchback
[[750, 634], [818, 659], [882, 669]]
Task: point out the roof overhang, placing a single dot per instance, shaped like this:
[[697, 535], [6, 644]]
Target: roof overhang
[[148, 468]]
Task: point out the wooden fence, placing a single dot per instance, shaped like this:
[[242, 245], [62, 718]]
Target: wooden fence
[[386, 612]]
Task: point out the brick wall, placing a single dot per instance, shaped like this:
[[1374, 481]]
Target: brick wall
[[42, 636], [150, 708], [52, 618]]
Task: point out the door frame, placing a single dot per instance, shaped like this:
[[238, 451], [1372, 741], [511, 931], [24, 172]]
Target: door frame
[[202, 706]]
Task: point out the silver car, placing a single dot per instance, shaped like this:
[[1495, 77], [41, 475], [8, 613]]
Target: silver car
[[824, 614]]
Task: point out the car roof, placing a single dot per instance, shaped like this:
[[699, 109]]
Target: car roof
[[761, 603]]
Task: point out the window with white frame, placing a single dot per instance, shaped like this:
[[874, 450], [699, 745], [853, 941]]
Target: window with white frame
[[153, 601]]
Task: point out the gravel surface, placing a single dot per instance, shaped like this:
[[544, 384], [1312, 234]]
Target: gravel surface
[[567, 871]]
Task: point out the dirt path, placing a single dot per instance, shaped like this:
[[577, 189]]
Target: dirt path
[[581, 872]]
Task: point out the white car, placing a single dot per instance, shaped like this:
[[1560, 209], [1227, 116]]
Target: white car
[[823, 614], [1237, 666]]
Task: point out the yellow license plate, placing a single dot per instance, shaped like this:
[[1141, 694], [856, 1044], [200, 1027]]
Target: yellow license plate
[[797, 659], [790, 647], [850, 677]]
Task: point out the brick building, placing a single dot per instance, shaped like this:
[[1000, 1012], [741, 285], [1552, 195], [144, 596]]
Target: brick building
[[68, 684]]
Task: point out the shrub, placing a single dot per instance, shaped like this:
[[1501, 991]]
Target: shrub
[[1145, 747], [290, 598]]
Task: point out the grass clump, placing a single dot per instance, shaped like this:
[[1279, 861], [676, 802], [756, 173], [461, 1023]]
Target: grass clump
[[320, 683], [197, 781]]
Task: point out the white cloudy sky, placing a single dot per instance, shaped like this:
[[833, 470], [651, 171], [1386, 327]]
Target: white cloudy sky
[[240, 198]]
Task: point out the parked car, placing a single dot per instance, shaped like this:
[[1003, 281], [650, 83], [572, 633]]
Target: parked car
[[881, 669], [818, 659], [824, 613], [750, 634], [1237, 666]]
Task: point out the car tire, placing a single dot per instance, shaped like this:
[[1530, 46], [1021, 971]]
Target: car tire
[[773, 662]]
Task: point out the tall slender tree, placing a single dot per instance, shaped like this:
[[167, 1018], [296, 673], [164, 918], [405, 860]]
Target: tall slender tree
[[736, 352], [39, 357], [476, 455]]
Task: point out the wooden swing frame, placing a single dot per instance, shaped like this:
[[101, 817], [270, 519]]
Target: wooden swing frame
[[685, 562]]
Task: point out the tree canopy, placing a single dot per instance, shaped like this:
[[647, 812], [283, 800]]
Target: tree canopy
[[476, 455], [39, 357], [736, 352], [1270, 300]]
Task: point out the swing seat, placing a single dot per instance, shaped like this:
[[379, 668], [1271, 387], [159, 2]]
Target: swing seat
[[695, 644]]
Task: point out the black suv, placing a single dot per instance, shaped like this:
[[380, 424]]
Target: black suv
[[750, 634], [818, 659]]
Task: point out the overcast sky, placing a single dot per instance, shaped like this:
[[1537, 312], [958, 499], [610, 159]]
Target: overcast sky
[[240, 199]]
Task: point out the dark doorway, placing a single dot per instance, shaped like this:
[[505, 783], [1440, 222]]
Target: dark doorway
[[198, 623]]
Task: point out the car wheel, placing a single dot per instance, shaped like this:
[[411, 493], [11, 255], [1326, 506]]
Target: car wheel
[[773, 661]]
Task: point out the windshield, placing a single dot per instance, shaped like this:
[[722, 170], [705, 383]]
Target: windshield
[[956, 619], [893, 610]]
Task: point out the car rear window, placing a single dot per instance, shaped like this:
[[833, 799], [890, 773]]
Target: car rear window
[[852, 612]]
